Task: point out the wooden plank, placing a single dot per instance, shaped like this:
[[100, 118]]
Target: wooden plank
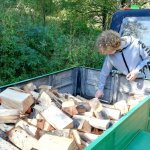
[[57, 118]]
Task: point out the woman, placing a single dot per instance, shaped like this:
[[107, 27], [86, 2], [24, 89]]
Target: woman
[[127, 54]]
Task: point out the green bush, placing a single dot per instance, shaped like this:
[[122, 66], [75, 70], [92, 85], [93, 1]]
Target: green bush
[[28, 48]]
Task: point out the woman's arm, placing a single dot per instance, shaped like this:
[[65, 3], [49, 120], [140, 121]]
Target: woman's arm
[[107, 67], [144, 53]]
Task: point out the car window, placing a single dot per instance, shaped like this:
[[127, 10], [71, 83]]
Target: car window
[[139, 27]]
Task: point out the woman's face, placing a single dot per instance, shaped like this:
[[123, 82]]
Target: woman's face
[[108, 51]]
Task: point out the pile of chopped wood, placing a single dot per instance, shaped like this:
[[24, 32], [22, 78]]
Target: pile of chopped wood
[[41, 118]]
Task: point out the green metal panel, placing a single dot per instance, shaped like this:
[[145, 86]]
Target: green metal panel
[[123, 132], [140, 142], [31, 79]]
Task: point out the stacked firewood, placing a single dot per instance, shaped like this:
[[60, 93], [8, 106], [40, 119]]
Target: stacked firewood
[[42, 118]]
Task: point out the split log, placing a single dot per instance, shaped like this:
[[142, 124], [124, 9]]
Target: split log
[[132, 103], [45, 87], [8, 115], [55, 99], [47, 142], [77, 139], [122, 106], [101, 115], [41, 124], [83, 107], [35, 94], [88, 136], [61, 133], [81, 124], [44, 100], [95, 104], [112, 113], [11, 98], [4, 145], [69, 107], [29, 87], [57, 118], [22, 139], [5, 127], [31, 130], [99, 124], [3, 135]]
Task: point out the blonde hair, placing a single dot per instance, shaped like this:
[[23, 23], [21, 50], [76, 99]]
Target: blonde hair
[[108, 38]]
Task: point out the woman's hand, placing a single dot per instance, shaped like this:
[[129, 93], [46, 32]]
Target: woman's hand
[[99, 94], [132, 75]]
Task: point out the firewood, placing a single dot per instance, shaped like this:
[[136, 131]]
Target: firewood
[[31, 130], [61, 133], [77, 139], [57, 118], [132, 103], [101, 115], [45, 87], [22, 139], [15, 99], [95, 104], [6, 127], [97, 131], [3, 135], [112, 113], [69, 107], [54, 98], [88, 136], [81, 124], [44, 100], [100, 124], [83, 107], [47, 142], [122, 106], [41, 123], [84, 143], [4, 145], [8, 115], [29, 87], [35, 94]]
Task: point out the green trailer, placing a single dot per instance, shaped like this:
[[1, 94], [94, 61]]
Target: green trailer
[[132, 131]]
